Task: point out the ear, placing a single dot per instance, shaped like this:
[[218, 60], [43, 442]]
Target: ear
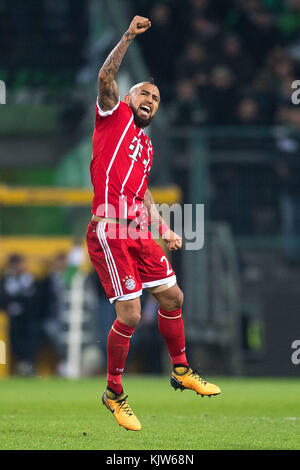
[[127, 99]]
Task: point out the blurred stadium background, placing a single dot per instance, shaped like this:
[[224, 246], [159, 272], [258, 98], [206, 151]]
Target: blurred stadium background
[[227, 135]]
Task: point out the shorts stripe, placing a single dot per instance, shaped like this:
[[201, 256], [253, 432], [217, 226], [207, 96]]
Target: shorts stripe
[[124, 297], [112, 261], [118, 288], [100, 237], [160, 282]]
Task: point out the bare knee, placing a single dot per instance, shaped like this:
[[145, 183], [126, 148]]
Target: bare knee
[[128, 312], [133, 319], [177, 300], [170, 299]]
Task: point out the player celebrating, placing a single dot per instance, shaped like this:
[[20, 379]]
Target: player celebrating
[[121, 248]]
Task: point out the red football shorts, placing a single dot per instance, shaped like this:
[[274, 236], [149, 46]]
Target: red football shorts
[[127, 259]]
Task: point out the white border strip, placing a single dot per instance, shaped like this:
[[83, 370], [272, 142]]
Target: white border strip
[[160, 282], [127, 176], [109, 112], [134, 295], [121, 334], [169, 318]]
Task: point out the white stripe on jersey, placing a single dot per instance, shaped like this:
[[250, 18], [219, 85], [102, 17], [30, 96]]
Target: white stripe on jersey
[[145, 174], [131, 166], [111, 163], [136, 195], [127, 176]]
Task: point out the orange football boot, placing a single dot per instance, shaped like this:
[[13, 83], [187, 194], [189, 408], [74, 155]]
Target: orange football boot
[[189, 379], [122, 412]]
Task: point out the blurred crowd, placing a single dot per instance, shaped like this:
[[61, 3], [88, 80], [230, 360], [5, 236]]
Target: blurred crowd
[[42, 44], [233, 63], [40, 319], [34, 305], [224, 62]]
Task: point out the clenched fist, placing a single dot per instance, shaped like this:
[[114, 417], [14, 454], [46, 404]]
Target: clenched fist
[[172, 240], [139, 25]]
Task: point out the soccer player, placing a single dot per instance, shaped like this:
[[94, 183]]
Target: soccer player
[[121, 247]]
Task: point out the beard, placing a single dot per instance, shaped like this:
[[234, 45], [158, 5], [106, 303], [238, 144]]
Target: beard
[[140, 121]]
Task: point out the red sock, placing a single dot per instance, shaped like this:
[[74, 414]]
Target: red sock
[[172, 330], [117, 351]]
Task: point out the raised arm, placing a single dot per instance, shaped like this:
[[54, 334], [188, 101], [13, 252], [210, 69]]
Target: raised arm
[[108, 94], [173, 241]]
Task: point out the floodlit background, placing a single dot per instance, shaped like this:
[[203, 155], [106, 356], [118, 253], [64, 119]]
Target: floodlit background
[[227, 135]]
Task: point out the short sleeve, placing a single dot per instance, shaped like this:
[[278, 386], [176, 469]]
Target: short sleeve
[[109, 112]]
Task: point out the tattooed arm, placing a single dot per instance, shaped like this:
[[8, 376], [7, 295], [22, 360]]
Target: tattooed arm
[[173, 241], [154, 216], [108, 93]]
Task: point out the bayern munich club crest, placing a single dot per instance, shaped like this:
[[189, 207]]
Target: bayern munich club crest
[[129, 282]]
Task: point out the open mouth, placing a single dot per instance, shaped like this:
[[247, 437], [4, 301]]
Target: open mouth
[[145, 110]]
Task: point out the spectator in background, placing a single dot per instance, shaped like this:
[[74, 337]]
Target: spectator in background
[[199, 7], [228, 49], [104, 316], [203, 30], [288, 170], [289, 20], [222, 96], [236, 58], [149, 343], [186, 110], [159, 45], [260, 34], [194, 59], [18, 297], [51, 297], [248, 112]]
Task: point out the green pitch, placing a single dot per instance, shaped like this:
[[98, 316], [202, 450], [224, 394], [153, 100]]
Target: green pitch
[[63, 414]]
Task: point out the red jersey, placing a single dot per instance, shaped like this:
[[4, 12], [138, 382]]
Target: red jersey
[[121, 162]]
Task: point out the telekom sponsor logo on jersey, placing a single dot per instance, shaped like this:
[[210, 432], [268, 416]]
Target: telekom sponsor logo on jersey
[[187, 222]]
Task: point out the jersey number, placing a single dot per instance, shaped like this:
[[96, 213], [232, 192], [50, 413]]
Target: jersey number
[[169, 269]]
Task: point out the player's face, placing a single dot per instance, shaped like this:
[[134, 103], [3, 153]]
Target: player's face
[[144, 102]]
